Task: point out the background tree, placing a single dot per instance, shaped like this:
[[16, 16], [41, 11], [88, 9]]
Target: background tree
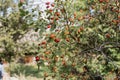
[[16, 21]]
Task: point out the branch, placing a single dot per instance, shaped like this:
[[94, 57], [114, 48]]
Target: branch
[[108, 43], [101, 47]]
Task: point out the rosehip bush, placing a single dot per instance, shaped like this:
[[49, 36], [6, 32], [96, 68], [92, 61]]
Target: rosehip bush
[[83, 42]]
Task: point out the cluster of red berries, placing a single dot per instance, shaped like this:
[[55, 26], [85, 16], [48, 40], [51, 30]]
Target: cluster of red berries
[[48, 4]]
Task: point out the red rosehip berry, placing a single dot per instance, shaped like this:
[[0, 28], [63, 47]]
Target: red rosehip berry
[[22, 1], [101, 1], [49, 26], [37, 58], [44, 42], [107, 35], [52, 5], [57, 40], [47, 3], [47, 6]]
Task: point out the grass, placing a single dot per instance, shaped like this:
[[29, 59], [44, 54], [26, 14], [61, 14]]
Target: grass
[[26, 72]]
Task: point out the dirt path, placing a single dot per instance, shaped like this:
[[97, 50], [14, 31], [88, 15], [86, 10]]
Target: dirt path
[[7, 77]]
